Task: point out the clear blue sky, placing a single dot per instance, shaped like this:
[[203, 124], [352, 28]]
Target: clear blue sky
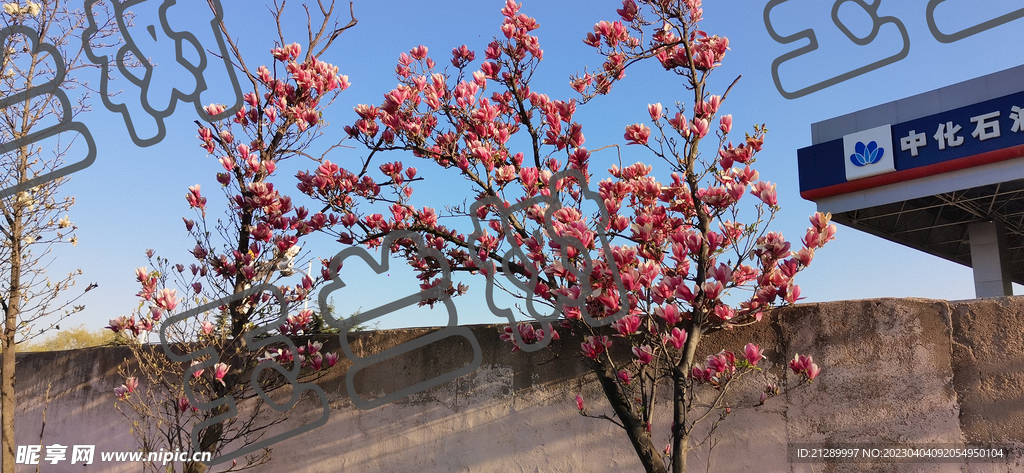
[[133, 199]]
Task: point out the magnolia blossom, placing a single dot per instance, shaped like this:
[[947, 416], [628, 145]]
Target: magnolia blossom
[[655, 110], [624, 377], [753, 353], [766, 192], [677, 338], [637, 134], [644, 354], [198, 373], [725, 123], [331, 359], [627, 325], [594, 346], [166, 299], [219, 370], [804, 365], [131, 383], [31, 8]]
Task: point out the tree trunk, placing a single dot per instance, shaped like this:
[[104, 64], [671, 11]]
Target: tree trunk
[[680, 435], [635, 428], [13, 304]]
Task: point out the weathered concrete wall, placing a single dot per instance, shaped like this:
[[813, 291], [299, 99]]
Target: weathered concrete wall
[[896, 371]]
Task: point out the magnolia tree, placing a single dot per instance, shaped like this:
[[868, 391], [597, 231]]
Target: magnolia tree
[[40, 144], [234, 312], [655, 265]]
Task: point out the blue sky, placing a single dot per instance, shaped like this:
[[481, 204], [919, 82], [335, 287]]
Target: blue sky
[[133, 198]]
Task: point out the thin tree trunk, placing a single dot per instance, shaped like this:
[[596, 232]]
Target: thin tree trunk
[[680, 436], [13, 304], [635, 428]]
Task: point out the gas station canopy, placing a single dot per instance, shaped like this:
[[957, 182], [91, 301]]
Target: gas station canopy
[[941, 172]]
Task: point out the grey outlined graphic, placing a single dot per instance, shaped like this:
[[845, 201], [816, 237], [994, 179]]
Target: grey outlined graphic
[[876, 25], [51, 87], [515, 254], [143, 83], [254, 344], [435, 292], [957, 36]]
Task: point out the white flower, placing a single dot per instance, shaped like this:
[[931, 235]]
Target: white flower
[[31, 8], [64, 222], [25, 200], [286, 268]]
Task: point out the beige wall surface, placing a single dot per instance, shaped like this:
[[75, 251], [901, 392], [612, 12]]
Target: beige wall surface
[[895, 372]]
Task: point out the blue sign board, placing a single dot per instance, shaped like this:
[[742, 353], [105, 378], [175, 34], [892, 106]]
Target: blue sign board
[[957, 134]]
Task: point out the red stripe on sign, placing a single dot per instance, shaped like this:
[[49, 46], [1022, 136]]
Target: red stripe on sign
[[915, 173]]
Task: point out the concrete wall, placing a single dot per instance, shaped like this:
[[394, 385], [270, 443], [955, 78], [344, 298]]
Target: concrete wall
[[897, 371]]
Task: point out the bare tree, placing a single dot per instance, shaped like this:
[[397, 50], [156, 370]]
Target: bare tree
[[41, 51]]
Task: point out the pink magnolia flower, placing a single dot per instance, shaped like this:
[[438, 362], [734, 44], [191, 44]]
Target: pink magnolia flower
[[219, 370], [167, 299], [624, 377], [644, 354], [712, 289], [765, 191], [812, 372], [680, 124], [656, 111], [331, 358], [700, 374], [183, 404], [214, 109], [131, 384], [207, 327], [579, 402], [724, 312], [821, 220], [677, 338], [753, 353], [725, 123], [194, 198], [700, 127], [121, 392], [724, 363], [793, 294], [284, 356], [118, 324], [595, 346], [627, 325], [198, 373], [317, 361], [800, 363], [637, 134], [669, 313]]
